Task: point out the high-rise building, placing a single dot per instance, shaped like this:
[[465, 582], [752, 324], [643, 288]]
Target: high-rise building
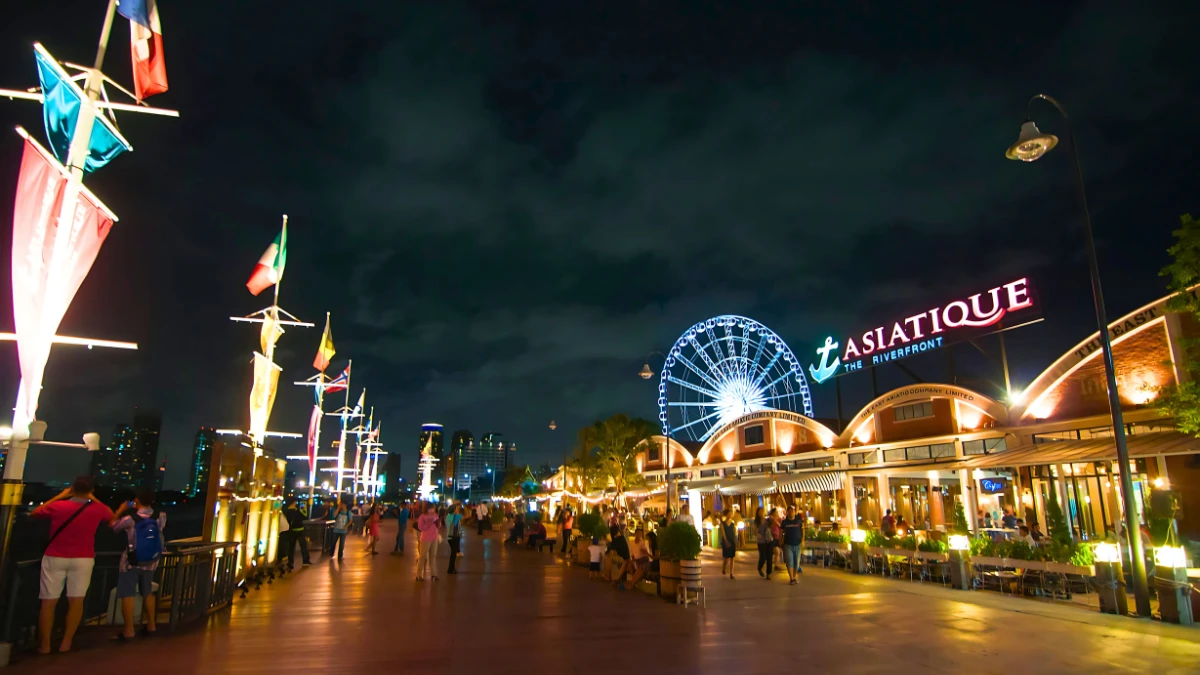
[[202, 451], [391, 477], [491, 454], [431, 433], [460, 442], [110, 465], [146, 428], [160, 476]]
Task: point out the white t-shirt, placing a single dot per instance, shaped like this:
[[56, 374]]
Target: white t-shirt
[[596, 551], [481, 511]]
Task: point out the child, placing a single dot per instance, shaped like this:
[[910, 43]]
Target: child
[[596, 551]]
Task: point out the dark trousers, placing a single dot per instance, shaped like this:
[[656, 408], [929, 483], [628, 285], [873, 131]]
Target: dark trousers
[[766, 556], [289, 540], [339, 543], [566, 537], [479, 526], [454, 545], [400, 538]]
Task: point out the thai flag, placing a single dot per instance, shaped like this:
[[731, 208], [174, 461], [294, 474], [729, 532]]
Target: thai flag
[[338, 383], [145, 30]]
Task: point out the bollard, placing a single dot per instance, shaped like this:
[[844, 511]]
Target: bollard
[[1110, 582], [960, 573], [1171, 582]]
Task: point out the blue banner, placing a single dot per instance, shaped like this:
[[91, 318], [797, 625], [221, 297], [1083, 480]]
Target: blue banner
[[60, 108]]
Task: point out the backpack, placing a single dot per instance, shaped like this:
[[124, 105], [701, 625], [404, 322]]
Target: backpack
[[147, 540]]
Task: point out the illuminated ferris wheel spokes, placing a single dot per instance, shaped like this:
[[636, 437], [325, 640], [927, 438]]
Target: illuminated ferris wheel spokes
[[724, 368]]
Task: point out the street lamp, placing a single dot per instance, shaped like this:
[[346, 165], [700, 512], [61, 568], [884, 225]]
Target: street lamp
[[1031, 146], [645, 373]]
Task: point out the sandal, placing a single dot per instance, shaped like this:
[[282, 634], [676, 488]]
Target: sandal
[[120, 637]]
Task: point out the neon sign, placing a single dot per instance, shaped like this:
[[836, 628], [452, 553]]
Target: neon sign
[[993, 486], [932, 329]]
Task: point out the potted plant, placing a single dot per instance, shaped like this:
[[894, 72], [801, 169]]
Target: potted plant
[[679, 547], [589, 525]]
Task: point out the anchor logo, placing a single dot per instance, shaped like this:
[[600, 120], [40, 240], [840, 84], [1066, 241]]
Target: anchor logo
[[826, 369]]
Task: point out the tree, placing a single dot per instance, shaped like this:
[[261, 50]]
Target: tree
[[960, 519], [1182, 401], [616, 442], [584, 466], [1060, 532]]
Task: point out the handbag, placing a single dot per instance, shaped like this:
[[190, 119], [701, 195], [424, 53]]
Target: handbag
[[67, 522]]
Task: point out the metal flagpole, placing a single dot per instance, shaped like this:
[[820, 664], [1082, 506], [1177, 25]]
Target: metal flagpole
[[346, 412]]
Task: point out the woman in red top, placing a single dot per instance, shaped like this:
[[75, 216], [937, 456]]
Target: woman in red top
[[373, 530]]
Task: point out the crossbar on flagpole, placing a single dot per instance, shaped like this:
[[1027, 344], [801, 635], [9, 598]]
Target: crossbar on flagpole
[[105, 105], [82, 342]]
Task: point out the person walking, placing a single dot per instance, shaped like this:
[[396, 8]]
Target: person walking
[[428, 526], [762, 528], [793, 541], [728, 536], [294, 534], [453, 535], [341, 525], [568, 524], [135, 572], [481, 517], [372, 527], [402, 514], [74, 516]]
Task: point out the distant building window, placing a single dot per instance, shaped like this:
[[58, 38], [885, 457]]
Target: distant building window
[[754, 435], [756, 468], [858, 458], [913, 411], [653, 453], [710, 473]]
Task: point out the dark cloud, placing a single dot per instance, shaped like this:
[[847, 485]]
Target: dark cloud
[[506, 208]]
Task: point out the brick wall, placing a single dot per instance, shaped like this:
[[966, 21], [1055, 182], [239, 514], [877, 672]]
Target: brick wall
[[1141, 360]]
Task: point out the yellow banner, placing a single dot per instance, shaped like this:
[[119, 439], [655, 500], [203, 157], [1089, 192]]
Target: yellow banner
[[271, 330], [262, 395]]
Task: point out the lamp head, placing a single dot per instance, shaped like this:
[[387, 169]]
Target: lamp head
[[1031, 144], [553, 426], [645, 373]]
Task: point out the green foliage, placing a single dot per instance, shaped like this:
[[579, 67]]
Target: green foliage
[[1182, 402], [933, 546], [813, 534], [876, 538], [591, 524], [1019, 550], [496, 515], [960, 519], [1083, 556], [679, 541], [1060, 532], [616, 442], [983, 545]]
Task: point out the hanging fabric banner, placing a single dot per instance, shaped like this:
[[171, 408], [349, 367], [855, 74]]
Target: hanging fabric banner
[[271, 330], [37, 312], [262, 395], [314, 423]]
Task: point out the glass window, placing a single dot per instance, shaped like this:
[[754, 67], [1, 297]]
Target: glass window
[[754, 435], [942, 450], [913, 411], [784, 466], [986, 446], [857, 458], [653, 453], [897, 455], [920, 452], [710, 473]]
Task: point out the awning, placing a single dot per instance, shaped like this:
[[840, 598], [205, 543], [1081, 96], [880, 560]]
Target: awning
[[821, 482], [702, 485], [749, 486], [1090, 450]]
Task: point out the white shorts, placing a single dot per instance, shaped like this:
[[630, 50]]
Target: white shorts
[[74, 573]]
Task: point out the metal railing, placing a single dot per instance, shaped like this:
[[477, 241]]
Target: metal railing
[[193, 580]]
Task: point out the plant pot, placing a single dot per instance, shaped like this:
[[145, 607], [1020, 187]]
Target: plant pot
[[668, 574], [583, 556], [689, 571]]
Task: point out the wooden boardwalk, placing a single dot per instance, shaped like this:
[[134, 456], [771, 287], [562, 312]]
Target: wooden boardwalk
[[514, 611]]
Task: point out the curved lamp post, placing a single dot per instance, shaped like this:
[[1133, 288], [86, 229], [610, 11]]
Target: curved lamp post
[[645, 373], [1031, 145]]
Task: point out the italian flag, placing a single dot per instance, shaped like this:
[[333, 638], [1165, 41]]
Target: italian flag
[[269, 269]]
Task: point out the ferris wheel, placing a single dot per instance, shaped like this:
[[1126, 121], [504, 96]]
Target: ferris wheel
[[723, 368]]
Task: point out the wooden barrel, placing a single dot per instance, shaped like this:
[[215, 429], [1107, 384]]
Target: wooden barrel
[[689, 571]]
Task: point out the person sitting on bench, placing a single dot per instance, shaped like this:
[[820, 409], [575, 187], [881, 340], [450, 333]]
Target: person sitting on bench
[[517, 533], [537, 535]]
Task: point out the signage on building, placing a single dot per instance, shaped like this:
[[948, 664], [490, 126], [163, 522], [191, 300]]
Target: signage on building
[[932, 329], [993, 486]]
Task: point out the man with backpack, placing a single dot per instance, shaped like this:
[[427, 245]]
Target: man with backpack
[[135, 577], [341, 523], [74, 516]]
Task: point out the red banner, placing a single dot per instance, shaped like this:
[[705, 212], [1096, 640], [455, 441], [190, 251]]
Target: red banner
[[41, 295]]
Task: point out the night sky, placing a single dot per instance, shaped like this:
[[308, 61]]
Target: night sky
[[506, 205]]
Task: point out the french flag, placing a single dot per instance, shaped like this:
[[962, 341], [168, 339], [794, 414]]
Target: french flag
[[145, 31]]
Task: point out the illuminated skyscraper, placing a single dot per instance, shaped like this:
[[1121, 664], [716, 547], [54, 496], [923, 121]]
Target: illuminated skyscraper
[[110, 464], [436, 446], [146, 427], [490, 452], [202, 451], [460, 443]]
